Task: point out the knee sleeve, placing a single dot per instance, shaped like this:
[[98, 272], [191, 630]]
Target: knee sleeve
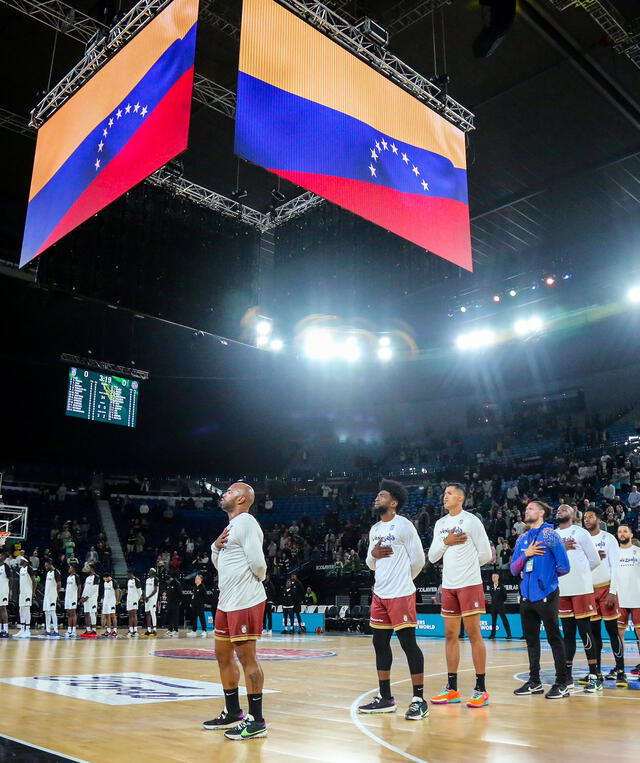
[[415, 658], [382, 646]]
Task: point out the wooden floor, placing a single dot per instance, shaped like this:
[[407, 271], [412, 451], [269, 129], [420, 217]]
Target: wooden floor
[[311, 716]]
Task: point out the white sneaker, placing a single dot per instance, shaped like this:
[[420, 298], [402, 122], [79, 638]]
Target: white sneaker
[[168, 634], [203, 634], [191, 634]]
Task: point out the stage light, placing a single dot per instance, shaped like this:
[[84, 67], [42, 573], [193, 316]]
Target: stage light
[[384, 341], [385, 354], [513, 293], [276, 345], [527, 326], [262, 340], [349, 350], [633, 295], [476, 340], [496, 298], [463, 309], [263, 327], [549, 280], [318, 345], [566, 276]]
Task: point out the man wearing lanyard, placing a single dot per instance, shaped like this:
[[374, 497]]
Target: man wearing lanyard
[[540, 557]]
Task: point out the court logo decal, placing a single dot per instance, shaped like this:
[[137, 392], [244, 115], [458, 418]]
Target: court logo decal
[[123, 688], [266, 655]]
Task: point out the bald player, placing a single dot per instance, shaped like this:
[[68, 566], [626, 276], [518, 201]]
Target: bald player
[[237, 555]]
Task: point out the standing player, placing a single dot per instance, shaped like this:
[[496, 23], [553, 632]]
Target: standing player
[[110, 601], [89, 601], [238, 557], [605, 590], [150, 599], [25, 597], [628, 582], [460, 540], [397, 557], [134, 592], [71, 590], [577, 601], [5, 577], [50, 600]]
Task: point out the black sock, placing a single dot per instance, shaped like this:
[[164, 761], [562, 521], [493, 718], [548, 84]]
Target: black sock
[[255, 706], [480, 682], [417, 690], [385, 688], [232, 701], [452, 681]]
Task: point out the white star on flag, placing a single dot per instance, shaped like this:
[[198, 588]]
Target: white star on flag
[[136, 107], [377, 145], [394, 148], [119, 113], [143, 111], [128, 108], [425, 185], [415, 170], [373, 170], [111, 122], [100, 146], [105, 132], [405, 158], [384, 143], [97, 164], [374, 156]]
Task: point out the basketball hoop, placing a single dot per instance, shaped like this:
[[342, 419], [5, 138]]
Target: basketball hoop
[[3, 537]]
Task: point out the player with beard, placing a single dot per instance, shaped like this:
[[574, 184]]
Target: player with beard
[[629, 584], [577, 600], [134, 593], [397, 557], [460, 540], [605, 590], [5, 578], [50, 600], [71, 595], [237, 555]]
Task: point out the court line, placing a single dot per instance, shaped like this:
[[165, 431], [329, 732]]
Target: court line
[[43, 749], [367, 732]]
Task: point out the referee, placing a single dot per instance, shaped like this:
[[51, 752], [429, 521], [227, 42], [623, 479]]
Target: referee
[[540, 557]]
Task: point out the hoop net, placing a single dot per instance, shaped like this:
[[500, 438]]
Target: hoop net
[[4, 534]]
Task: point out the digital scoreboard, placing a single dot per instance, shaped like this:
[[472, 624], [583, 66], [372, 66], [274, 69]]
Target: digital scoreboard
[[102, 397]]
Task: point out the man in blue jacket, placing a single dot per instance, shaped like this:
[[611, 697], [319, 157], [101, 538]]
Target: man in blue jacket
[[540, 558]]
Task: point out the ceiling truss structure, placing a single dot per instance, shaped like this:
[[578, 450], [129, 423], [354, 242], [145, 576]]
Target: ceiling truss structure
[[406, 13]]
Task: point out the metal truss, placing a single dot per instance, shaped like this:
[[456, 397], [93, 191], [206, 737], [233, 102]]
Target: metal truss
[[59, 16], [214, 96], [406, 13], [296, 207], [341, 31], [102, 365], [213, 19], [15, 123]]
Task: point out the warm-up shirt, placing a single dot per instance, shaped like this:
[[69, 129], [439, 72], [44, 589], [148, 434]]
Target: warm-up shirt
[[241, 565], [607, 571], [460, 564], [542, 580], [629, 578], [582, 560], [394, 574]]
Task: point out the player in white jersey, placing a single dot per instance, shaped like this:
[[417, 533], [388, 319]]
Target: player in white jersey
[[134, 593], [5, 578], [605, 589], [238, 556], [50, 600], [89, 600], [577, 603], [110, 601], [629, 583], [397, 557], [71, 598], [25, 597], [150, 599], [460, 540]]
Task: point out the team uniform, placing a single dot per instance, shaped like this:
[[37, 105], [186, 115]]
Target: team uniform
[[604, 575], [109, 598], [90, 590], [393, 605], [241, 569], [628, 579], [5, 573], [50, 601], [577, 598], [71, 597], [462, 590], [134, 592], [25, 599]]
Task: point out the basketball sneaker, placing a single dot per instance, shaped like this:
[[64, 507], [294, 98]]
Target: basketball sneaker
[[636, 671], [621, 679], [595, 684], [146, 634], [531, 687], [446, 697], [557, 691], [379, 705], [418, 710], [191, 634], [584, 680], [55, 634], [248, 729], [92, 634], [226, 720], [478, 699], [151, 635], [611, 675]]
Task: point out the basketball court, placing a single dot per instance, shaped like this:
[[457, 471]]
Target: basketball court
[[96, 700]]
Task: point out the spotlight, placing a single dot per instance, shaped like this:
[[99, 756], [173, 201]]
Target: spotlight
[[263, 327], [385, 354], [276, 345], [496, 298], [463, 309], [476, 340], [349, 350], [527, 326], [262, 340], [239, 193], [318, 344], [566, 276], [277, 195], [633, 295], [513, 293], [549, 280], [384, 341]]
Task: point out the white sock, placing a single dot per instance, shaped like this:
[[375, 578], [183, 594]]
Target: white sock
[[54, 622]]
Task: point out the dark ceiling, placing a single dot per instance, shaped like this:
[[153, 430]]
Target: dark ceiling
[[554, 164]]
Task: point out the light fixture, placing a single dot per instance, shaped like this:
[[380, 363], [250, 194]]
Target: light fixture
[[264, 327], [463, 309], [262, 340], [633, 295], [476, 340], [277, 195], [348, 350], [384, 341], [385, 354], [318, 344], [549, 280], [276, 345], [496, 298], [527, 326], [239, 193], [513, 293]]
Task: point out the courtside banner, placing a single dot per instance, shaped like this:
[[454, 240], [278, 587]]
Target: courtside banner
[[313, 113], [128, 120]]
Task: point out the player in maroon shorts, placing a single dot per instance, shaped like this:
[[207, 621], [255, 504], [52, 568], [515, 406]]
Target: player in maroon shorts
[[237, 554], [460, 540], [396, 556], [629, 584]]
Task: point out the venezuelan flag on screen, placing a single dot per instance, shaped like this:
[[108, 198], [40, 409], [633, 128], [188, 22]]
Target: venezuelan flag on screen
[[128, 120], [314, 114]]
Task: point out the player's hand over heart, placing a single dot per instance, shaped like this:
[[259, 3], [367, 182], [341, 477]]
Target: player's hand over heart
[[222, 539], [569, 543], [454, 538], [379, 551]]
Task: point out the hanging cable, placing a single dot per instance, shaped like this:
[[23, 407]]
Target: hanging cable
[[433, 38], [444, 41], [53, 55]]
